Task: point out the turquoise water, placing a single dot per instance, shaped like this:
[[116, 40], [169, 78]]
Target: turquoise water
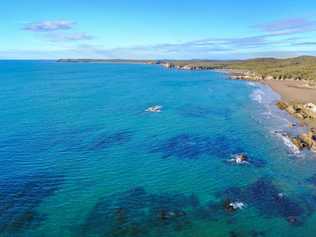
[[81, 157]]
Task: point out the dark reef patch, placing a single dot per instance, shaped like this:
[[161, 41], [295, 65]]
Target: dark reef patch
[[251, 233], [107, 140], [312, 180], [185, 146], [204, 112], [270, 201], [258, 163], [138, 213], [192, 146], [19, 198], [73, 138]]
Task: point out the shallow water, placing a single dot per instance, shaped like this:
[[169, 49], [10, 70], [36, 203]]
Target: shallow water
[[81, 157]]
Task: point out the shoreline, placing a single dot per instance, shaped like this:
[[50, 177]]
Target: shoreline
[[298, 99], [294, 93], [298, 96]]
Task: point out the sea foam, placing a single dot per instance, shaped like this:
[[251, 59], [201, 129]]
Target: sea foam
[[287, 141], [257, 95]]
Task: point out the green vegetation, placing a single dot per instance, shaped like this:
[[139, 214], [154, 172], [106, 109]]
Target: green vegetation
[[299, 68]]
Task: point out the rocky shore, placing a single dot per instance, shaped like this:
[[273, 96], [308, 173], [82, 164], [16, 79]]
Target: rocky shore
[[293, 79], [298, 104], [305, 113], [235, 74], [186, 67]]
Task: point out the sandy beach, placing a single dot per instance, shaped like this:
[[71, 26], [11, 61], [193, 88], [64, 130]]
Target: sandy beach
[[294, 92]]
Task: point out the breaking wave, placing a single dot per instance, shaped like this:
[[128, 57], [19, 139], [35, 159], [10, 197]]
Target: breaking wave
[[287, 141], [257, 95]]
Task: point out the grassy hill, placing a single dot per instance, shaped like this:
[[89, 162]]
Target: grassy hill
[[299, 68]]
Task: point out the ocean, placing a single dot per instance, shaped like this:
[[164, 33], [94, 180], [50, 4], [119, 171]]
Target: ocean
[[80, 156]]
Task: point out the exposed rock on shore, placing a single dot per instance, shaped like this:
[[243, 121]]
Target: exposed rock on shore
[[245, 75], [306, 140], [167, 65], [303, 112], [300, 111], [186, 66]]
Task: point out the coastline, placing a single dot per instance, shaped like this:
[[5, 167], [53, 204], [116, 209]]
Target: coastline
[[298, 99], [298, 96], [294, 92]]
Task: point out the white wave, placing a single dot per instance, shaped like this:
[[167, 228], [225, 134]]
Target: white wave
[[287, 141], [237, 205], [251, 84], [257, 95]]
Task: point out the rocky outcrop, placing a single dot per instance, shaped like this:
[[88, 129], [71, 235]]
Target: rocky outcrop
[[282, 105], [300, 111], [306, 140], [168, 65], [245, 75], [185, 67]]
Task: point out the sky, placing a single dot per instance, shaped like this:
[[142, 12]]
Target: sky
[[159, 29]]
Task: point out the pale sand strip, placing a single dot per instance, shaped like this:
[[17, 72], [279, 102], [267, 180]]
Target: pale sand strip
[[294, 91]]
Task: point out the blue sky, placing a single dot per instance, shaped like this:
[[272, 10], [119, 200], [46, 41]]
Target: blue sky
[[161, 29]]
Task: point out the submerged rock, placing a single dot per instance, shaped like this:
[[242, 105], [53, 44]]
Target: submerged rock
[[139, 213], [19, 199], [107, 140], [269, 200], [195, 146], [312, 180]]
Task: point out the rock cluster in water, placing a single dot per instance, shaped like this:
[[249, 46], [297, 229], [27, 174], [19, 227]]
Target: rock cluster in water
[[270, 201], [106, 140], [137, 212], [195, 146]]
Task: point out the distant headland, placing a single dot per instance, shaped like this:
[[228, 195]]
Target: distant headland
[[298, 68]]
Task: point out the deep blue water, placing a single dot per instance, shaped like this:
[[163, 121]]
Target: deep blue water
[[81, 157]]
